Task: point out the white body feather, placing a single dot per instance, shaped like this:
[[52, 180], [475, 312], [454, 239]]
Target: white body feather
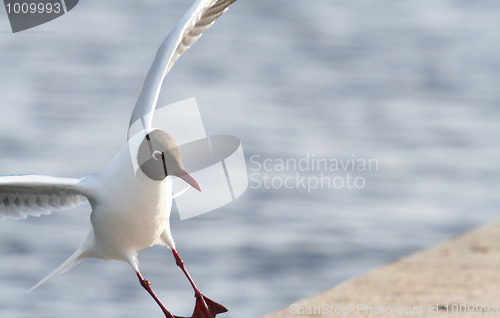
[[129, 212]]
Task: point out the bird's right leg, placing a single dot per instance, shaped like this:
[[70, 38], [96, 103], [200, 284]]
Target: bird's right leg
[[147, 286], [204, 307]]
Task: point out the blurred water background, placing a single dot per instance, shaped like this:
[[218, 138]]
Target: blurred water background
[[413, 85]]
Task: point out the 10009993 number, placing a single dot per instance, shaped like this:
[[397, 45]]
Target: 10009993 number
[[33, 8]]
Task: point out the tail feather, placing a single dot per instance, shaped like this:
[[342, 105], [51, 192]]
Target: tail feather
[[72, 261]]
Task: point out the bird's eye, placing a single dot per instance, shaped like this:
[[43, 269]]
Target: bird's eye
[[156, 155]]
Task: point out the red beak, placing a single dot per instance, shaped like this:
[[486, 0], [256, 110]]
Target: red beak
[[190, 180]]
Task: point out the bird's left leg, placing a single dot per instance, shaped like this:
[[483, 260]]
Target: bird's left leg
[[147, 286], [205, 307]]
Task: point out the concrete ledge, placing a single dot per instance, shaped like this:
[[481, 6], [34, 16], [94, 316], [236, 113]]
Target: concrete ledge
[[433, 283]]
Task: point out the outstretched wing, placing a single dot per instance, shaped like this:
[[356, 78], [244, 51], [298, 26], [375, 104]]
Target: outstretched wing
[[34, 195], [199, 18]]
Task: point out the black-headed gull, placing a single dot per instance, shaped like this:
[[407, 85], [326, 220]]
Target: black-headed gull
[[130, 206]]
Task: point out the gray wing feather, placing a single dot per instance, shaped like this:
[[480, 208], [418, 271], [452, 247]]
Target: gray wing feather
[[198, 19], [34, 195]]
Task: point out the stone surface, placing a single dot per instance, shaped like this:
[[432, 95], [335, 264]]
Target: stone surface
[[460, 277]]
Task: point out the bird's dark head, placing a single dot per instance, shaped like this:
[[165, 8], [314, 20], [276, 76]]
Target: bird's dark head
[[160, 156]]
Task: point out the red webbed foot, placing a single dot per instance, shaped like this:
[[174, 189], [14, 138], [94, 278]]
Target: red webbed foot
[[207, 308]]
